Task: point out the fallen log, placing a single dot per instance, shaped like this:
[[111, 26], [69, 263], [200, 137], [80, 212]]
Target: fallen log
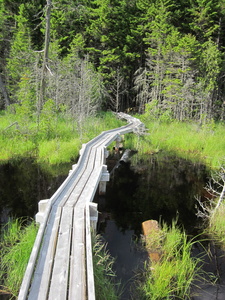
[[14, 123], [126, 155]]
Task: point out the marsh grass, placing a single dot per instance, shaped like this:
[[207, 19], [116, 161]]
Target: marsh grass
[[104, 276], [55, 142], [217, 225], [172, 276], [185, 139], [16, 244]]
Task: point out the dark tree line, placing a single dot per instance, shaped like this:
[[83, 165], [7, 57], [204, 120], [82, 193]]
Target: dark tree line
[[162, 56]]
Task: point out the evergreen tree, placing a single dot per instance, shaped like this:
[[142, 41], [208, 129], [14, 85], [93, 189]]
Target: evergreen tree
[[114, 45], [209, 67], [205, 16], [4, 45], [21, 55]]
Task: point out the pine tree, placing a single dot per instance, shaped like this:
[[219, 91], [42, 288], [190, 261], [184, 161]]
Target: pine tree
[[4, 100], [21, 55], [205, 16]]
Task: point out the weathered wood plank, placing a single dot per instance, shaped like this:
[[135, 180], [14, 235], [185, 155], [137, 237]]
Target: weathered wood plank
[[77, 283], [47, 270], [41, 261], [60, 273], [89, 259]]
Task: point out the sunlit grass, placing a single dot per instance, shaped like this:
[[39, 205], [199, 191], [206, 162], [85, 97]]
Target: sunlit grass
[[15, 147], [217, 225], [60, 144], [186, 139], [58, 151], [16, 245], [172, 276]]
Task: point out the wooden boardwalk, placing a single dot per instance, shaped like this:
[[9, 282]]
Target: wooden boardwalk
[[60, 265]]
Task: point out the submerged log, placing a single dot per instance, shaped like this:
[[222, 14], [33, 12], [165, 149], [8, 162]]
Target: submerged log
[[126, 155]]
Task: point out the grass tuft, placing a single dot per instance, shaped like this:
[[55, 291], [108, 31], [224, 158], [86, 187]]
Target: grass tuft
[[16, 245], [217, 225], [104, 276], [172, 276]]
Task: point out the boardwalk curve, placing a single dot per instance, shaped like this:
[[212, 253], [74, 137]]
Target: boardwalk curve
[[60, 266]]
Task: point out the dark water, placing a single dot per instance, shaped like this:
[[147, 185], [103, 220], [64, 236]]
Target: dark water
[[163, 188], [23, 184]]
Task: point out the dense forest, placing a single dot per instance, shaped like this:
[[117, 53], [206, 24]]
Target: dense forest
[[80, 56]]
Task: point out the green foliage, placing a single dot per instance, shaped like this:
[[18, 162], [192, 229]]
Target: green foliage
[[205, 15], [56, 151], [175, 49], [216, 226], [20, 46], [48, 119], [16, 245]]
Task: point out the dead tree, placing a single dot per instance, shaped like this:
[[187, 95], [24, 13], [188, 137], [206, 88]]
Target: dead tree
[[216, 191], [4, 92], [45, 67]]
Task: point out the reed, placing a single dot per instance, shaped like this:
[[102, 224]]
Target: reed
[[104, 276], [172, 276], [54, 144], [187, 139], [217, 225], [16, 245], [57, 151]]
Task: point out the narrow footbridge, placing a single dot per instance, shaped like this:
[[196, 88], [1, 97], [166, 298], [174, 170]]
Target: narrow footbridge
[[60, 266]]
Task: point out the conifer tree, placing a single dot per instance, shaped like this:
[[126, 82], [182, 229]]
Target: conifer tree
[[4, 100], [21, 55]]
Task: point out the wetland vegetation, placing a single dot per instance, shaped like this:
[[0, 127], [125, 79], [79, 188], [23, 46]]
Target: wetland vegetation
[[172, 137]]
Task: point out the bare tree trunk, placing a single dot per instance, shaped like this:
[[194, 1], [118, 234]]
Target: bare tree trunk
[[45, 67], [4, 92]]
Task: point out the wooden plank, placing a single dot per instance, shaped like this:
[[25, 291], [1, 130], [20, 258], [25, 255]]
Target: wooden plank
[[89, 259], [46, 274], [31, 264], [83, 185], [41, 261], [60, 273], [77, 290]]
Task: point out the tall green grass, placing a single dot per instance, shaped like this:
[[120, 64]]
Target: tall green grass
[[217, 225], [54, 143], [104, 276], [186, 139], [16, 245], [172, 276]]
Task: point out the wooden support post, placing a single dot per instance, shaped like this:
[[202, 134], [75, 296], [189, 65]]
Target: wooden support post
[[93, 208], [103, 180], [119, 144], [102, 188], [42, 205], [105, 154]]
